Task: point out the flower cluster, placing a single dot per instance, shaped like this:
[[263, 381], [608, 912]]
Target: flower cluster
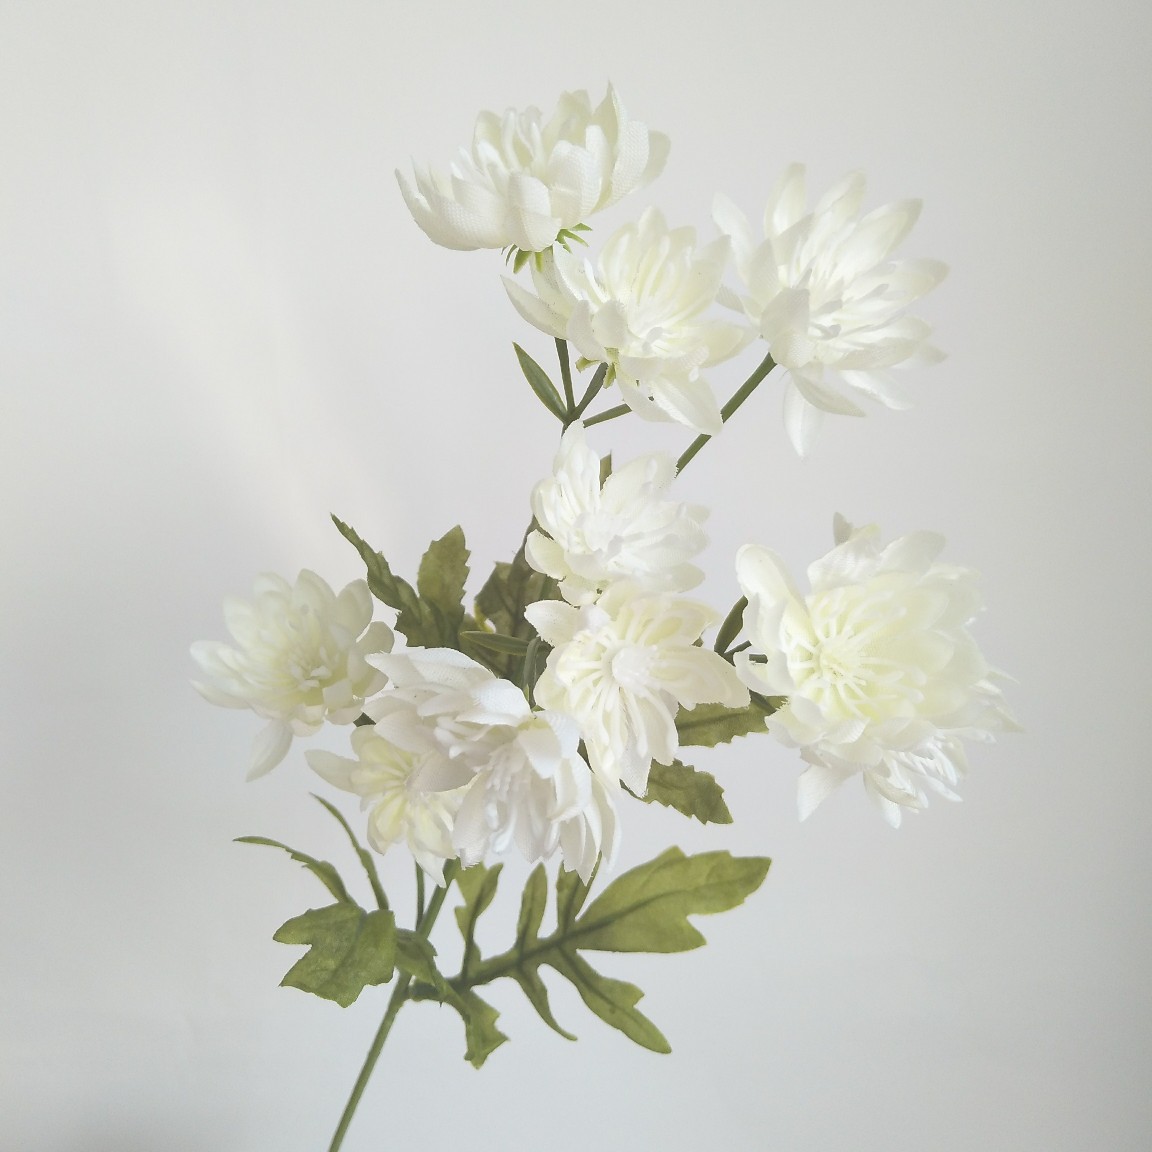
[[521, 724]]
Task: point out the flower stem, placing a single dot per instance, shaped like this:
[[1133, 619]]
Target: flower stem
[[395, 1003], [598, 378], [746, 389], [607, 414]]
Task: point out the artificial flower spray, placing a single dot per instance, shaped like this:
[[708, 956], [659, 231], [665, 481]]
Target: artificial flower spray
[[536, 718]]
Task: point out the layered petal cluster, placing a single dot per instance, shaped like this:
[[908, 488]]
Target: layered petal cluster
[[623, 667], [384, 775], [298, 660], [643, 310], [823, 290], [882, 676], [525, 179], [477, 755], [594, 534]]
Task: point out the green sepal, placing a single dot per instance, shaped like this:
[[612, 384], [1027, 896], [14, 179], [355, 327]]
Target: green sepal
[[730, 629], [348, 949], [540, 383], [707, 725], [323, 871], [689, 791]]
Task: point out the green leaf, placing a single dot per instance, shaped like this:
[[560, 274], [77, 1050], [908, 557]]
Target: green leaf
[[481, 1035], [689, 791], [495, 642], [478, 887], [730, 629], [384, 585], [647, 909], [707, 725], [321, 869], [416, 956], [506, 593], [440, 582], [362, 853], [539, 382], [614, 1001], [349, 948]]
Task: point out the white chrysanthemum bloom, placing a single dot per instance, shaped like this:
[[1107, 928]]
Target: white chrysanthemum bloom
[[526, 179], [643, 311], [383, 776], [299, 659], [882, 676], [594, 535], [520, 774], [623, 667], [824, 291]]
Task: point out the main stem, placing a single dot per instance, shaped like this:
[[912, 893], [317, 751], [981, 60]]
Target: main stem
[[746, 389], [395, 1003]]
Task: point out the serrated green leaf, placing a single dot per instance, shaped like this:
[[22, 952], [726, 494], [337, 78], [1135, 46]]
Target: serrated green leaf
[[647, 909], [532, 905], [707, 725], [614, 1001], [540, 383], [321, 869], [349, 949], [440, 582], [416, 956], [481, 1035], [478, 887], [384, 585], [506, 593], [689, 791]]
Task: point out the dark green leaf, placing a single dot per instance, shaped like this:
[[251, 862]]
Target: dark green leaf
[[321, 869], [707, 725], [417, 957], [540, 383], [349, 948], [689, 791], [647, 909]]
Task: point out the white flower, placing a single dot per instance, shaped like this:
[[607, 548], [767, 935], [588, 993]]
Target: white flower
[[642, 311], [593, 535], [519, 773], [525, 179], [623, 667], [882, 676], [823, 290], [299, 661], [383, 776]]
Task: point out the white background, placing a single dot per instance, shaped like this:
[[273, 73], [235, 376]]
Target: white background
[[218, 324]]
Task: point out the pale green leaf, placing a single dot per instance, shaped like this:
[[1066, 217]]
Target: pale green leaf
[[538, 380], [440, 582], [348, 949], [707, 725], [689, 791]]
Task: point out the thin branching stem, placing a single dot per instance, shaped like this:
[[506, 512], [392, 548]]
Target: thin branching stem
[[566, 374], [745, 390], [607, 414]]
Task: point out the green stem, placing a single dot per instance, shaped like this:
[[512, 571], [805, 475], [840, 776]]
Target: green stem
[[746, 389], [419, 893], [395, 1003], [598, 378], [608, 414], [566, 373]]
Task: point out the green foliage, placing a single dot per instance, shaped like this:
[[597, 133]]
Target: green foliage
[[321, 869], [541, 384], [645, 910], [501, 603], [707, 725], [349, 948], [432, 614], [689, 791], [730, 629]]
